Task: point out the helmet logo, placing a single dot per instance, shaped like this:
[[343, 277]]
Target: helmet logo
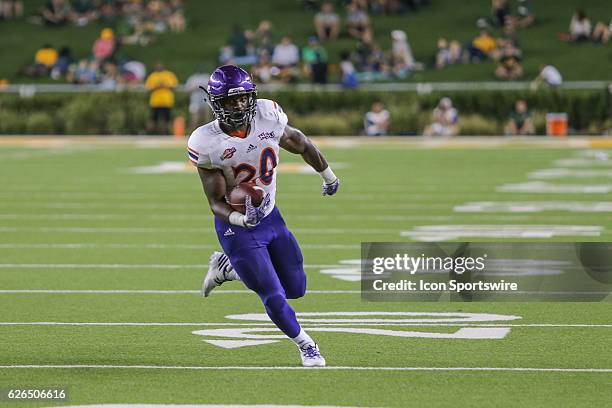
[[232, 91]]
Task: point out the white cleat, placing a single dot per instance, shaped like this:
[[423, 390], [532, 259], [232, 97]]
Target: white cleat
[[216, 275], [311, 356]]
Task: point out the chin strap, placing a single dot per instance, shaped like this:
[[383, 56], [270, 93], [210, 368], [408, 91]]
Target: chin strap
[[206, 97]]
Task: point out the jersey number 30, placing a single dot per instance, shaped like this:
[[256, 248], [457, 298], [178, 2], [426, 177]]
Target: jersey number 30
[[267, 164]]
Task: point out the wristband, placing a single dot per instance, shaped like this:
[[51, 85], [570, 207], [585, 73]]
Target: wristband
[[328, 175], [237, 218]]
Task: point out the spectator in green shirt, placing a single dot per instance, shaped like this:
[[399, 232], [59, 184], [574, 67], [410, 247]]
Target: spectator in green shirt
[[314, 57], [520, 122]]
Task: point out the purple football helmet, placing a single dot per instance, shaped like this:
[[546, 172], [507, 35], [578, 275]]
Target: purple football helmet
[[228, 81]]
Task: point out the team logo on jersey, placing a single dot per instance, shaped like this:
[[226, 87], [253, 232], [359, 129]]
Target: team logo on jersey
[[228, 153], [266, 135], [251, 148]]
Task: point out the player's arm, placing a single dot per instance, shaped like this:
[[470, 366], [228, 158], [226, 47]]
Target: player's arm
[[294, 141], [215, 187]]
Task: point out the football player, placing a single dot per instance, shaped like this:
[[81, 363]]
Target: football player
[[242, 145]]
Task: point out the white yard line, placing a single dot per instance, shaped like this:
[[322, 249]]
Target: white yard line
[[155, 292], [120, 266], [154, 246], [177, 230], [308, 325], [298, 368]]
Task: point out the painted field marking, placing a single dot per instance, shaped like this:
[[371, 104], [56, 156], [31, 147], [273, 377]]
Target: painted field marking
[[156, 246], [141, 230], [533, 206], [549, 188], [140, 405], [118, 266], [299, 368], [560, 172], [582, 162], [434, 233], [240, 291], [156, 292], [322, 324], [355, 323]]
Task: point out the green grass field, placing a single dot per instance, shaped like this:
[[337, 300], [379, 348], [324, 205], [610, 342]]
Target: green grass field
[[76, 217]]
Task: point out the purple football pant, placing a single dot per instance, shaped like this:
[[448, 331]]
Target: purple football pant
[[269, 262]]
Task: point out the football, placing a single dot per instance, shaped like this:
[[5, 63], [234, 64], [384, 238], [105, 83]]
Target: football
[[238, 195]]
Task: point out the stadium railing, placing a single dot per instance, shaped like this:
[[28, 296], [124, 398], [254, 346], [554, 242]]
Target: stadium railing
[[26, 90]]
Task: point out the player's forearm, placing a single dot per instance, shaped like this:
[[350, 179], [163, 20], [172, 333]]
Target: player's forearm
[[221, 210], [313, 156]]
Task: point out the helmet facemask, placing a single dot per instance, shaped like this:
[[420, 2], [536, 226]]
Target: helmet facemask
[[234, 118]]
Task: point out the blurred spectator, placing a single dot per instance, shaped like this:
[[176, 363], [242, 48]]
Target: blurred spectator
[[238, 41], [314, 57], [46, 56], [134, 71], [44, 59], [85, 72], [131, 30], [447, 54], [104, 46], [520, 121], [548, 75], [579, 29], [108, 12], [401, 54], [83, 12], [240, 52], [199, 110], [61, 66], [286, 53], [500, 10], [327, 22], [110, 76], [161, 83], [264, 38], [376, 122], [363, 51], [56, 13], [357, 20], [285, 57], [524, 14], [602, 32], [10, 9], [158, 12], [445, 120], [481, 47], [311, 4], [176, 17], [509, 35], [264, 71], [347, 69], [509, 65], [372, 63]]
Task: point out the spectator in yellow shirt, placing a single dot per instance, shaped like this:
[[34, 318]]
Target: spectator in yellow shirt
[[44, 59], [161, 83], [46, 56], [481, 47]]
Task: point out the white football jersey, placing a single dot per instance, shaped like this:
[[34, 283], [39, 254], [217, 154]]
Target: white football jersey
[[252, 158]]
